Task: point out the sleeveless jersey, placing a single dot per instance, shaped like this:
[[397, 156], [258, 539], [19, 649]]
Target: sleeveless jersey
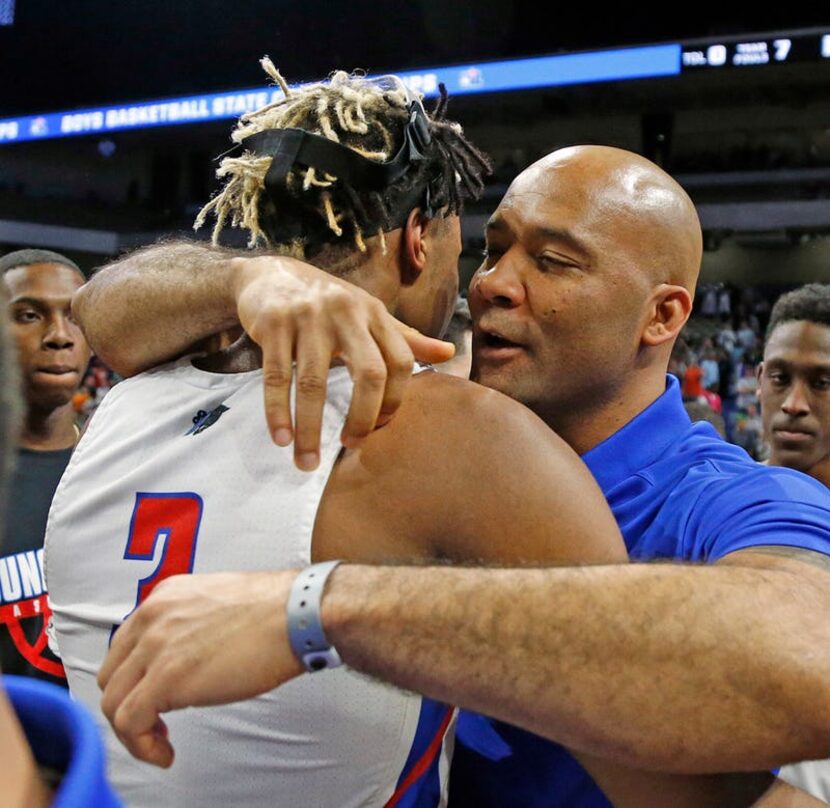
[[177, 473]]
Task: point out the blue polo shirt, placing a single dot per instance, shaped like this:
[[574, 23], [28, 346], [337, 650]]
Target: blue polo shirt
[[678, 491], [63, 737]]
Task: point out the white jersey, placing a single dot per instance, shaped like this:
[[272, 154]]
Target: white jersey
[[177, 473], [812, 776]]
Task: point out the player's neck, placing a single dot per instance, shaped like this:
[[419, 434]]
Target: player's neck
[[240, 357], [49, 430]]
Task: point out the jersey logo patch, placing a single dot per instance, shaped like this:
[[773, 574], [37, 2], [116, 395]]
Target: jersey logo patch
[[202, 420], [25, 610]]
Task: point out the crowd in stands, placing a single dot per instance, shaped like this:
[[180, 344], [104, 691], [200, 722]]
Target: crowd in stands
[[97, 383], [716, 359]]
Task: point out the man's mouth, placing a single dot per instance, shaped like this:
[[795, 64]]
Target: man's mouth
[[495, 346], [785, 435], [57, 370], [494, 340]]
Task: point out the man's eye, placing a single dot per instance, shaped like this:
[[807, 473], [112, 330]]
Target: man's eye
[[778, 379], [822, 383], [553, 261], [26, 316]]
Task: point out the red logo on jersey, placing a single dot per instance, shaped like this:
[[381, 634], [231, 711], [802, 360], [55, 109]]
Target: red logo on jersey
[[25, 611]]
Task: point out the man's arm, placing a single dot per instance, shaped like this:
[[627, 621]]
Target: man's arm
[[156, 303], [672, 667], [681, 668]]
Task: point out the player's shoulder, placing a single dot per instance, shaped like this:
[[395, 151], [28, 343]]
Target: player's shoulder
[[454, 402], [445, 423]]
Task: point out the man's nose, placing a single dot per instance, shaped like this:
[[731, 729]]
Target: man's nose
[[60, 334], [796, 403], [500, 285]]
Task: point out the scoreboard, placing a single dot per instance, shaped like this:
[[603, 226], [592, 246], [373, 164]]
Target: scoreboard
[[559, 70], [753, 52]]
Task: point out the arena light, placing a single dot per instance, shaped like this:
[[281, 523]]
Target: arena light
[[485, 77]]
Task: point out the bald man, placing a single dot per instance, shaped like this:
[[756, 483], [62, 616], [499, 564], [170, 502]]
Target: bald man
[[591, 262]]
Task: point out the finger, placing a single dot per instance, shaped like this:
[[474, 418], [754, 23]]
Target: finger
[[314, 351], [367, 367], [426, 349], [277, 351], [120, 684], [399, 362], [151, 747], [121, 645], [139, 725]]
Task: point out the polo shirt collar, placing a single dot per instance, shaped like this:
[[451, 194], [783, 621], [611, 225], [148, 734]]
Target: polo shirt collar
[[641, 441]]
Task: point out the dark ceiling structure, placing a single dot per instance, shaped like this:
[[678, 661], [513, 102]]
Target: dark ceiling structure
[[67, 55]]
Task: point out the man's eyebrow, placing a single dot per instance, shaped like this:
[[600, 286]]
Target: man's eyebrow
[[562, 235], [43, 304], [497, 225], [813, 367], [565, 236], [25, 300]]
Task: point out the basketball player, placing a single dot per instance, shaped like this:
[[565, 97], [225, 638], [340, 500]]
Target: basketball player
[[177, 472], [794, 382], [52, 355], [592, 260], [51, 751], [795, 407]]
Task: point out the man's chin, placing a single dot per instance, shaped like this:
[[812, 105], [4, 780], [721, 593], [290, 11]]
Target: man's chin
[[493, 377], [51, 394], [793, 458]]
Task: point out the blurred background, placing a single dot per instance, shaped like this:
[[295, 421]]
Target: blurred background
[[111, 116]]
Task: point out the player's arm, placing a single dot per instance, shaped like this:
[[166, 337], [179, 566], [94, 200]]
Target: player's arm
[[155, 303], [665, 666], [681, 668]]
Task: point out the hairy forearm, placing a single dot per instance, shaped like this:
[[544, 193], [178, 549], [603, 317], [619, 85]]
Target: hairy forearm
[[671, 667], [156, 302]]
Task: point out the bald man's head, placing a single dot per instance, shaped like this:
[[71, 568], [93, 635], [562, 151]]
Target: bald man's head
[[593, 256], [637, 204]]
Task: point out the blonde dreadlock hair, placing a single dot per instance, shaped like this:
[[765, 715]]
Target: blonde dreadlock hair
[[366, 117]]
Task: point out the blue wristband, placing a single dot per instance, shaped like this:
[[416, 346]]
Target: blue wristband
[[305, 628]]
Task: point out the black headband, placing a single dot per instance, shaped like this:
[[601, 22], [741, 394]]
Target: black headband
[[288, 147]]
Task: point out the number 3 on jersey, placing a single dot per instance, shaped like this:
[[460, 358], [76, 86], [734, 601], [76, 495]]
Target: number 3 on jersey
[[170, 518]]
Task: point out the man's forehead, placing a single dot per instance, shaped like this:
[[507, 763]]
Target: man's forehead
[[799, 340], [42, 280]]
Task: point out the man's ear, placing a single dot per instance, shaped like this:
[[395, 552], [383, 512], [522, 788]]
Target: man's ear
[[759, 371], [670, 308], [413, 245]]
